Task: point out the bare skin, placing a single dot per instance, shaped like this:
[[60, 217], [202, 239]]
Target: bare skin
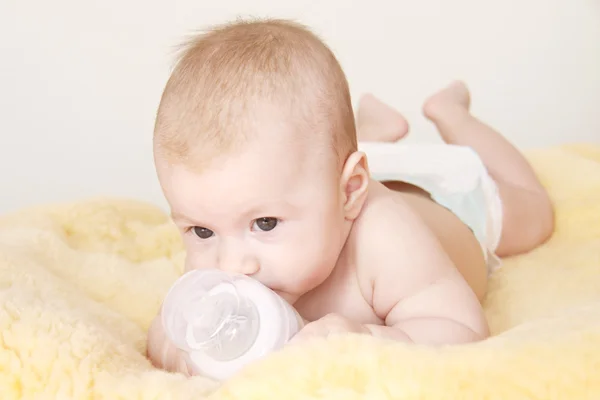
[[528, 221], [409, 269]]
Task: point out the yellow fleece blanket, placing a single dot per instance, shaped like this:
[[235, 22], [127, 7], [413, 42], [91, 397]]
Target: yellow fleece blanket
[[80, 283]]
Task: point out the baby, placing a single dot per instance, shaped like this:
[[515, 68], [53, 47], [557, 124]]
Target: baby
[[256, 151]]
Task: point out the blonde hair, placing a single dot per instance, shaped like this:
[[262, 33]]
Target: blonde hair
[[222, 75]]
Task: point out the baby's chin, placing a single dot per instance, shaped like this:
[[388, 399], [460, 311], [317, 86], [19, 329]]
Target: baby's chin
[[290, 298]]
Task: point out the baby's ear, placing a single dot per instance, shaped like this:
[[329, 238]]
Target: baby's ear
[[354, 184]]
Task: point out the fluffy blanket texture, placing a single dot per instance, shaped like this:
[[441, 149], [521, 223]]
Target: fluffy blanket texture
[[80, 283]]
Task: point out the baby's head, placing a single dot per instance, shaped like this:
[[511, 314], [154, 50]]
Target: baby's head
[[255, 149]]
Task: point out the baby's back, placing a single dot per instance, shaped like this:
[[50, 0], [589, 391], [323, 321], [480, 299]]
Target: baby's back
[[456, 239], [393, 215]]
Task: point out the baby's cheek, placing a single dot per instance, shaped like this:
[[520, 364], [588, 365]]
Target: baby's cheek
[[312, 265], [197, 259], [315, 277], [189, 263], [286, 264]]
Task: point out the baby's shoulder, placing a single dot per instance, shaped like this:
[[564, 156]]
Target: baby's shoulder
[[385, 226], [382, 206], [393, 244]]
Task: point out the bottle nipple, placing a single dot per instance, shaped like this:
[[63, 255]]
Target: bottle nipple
[[204, 311], [222, 324], [215, 317]]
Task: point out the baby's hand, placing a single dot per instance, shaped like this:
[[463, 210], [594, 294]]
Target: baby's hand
[[331, 324], [162, 353]]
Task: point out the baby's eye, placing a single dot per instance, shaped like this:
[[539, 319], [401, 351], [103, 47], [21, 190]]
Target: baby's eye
[[265, 224], [203, 233]]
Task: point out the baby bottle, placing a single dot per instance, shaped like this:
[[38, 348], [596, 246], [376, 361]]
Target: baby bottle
[[224, 321]]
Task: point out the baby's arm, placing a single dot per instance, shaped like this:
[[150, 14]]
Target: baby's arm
[[443, 312], [161, 352], [418, 291]]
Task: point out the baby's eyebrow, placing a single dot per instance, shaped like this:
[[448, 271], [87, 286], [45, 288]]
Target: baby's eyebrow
[[266, 207], [175, 216], [242, 214]]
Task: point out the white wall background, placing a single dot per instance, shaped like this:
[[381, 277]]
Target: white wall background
[[80, 80]]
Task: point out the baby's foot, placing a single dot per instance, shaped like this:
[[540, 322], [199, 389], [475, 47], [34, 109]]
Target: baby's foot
[[452, 99], [378, 122]]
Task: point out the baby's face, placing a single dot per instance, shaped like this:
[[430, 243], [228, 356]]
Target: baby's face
[[272, 212]]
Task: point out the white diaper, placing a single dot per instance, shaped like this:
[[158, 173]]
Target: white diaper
[[454, 176]]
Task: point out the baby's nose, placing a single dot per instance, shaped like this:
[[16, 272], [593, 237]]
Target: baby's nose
[[236, 261], [245, 266]]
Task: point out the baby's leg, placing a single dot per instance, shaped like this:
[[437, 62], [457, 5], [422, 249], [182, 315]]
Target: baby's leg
[[378, 122], [527, 211]]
